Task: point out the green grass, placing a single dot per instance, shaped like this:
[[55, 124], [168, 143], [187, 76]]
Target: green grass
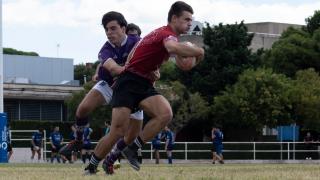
[[164, 171]]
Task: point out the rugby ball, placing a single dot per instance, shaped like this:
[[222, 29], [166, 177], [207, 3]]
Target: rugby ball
[[193, 59]]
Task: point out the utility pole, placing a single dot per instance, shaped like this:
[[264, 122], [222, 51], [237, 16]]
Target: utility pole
[[58, 46], [1, 62]]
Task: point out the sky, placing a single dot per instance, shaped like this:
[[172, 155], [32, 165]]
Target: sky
[[72, 28]]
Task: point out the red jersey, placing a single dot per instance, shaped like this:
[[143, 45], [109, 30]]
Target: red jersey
[[150, 53]]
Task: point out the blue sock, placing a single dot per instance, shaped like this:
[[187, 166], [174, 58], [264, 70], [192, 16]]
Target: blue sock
[[115, 153], [170, 159], [80, 124]]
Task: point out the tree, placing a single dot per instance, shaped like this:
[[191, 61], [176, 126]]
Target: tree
[[259, 98], [313, 22], [97, 117], [17, 52], [296, 50], [306, 99], [81, 72], [226, 56], [185, 105], [168, 72]]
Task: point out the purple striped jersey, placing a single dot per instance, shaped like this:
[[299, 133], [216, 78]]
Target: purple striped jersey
[[118, 54]]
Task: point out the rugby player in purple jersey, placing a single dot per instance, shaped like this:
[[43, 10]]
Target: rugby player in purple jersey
[[112, 57]]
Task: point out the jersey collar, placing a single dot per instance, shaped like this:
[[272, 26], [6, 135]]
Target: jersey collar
[[122, 43]]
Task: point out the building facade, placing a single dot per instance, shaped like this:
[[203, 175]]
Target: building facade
[[35, 88]]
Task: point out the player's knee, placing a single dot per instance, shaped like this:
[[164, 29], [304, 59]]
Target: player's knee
[[119, 130], [83, 110], [166, 117], [129, 139]]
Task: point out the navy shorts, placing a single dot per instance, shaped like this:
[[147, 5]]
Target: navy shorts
[[217, 148], [56, 150], [87, 146], [33, 147], [156, 146], [130, 89], [9, 149], [170, 147]]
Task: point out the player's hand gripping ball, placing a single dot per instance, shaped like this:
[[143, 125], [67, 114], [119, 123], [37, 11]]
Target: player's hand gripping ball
[[186, 63]]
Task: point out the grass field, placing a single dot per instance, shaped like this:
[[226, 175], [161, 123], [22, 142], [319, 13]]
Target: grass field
[[164, 171]]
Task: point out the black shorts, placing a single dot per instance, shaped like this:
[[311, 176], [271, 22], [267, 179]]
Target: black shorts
[[56, 150], [32, 147], [87, 146], [130, 89], [9, 149], [156, 146], [170, 147]]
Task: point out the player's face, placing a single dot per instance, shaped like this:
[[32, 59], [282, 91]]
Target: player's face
[[183, 22], [133, 32], [115, 33]]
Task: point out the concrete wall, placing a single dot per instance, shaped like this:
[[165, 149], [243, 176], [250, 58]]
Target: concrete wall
[[37, 70], [266, 33], [269, 27], [263, 41], [198, 40]]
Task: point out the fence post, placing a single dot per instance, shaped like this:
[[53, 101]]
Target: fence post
[[294, 150], [288, 150], [186, 150], [151, 154], [45, 145], [281, 150], [254, 150]]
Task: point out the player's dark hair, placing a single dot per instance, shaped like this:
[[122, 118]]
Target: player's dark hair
[[113, 16], [177, 8], [132, 27]]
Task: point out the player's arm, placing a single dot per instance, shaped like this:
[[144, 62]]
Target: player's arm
[[32, 143], [52, 145], [114, 68], [41, 143], [167, 143], [90, 132], [212, 135], [183, 49]]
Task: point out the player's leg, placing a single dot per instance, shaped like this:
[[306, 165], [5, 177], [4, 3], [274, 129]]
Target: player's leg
[[213, 151], [169, 155], [57, 153], [134, 128], [91, 101], [33, 152], [10, 152], [100, 94], [39, 154], [213, 157], [52, 156], [83, 155], [119, 126], [159, 109], [219, 153], [157, 155]]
